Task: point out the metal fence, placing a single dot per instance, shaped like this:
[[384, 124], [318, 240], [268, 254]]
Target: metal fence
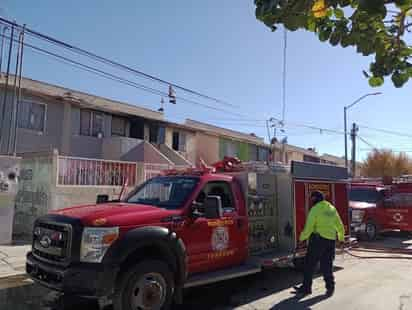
[[94, 172]]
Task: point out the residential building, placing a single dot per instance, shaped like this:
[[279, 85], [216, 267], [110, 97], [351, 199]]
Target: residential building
[[333, 160], [286, 153], [213, 143]]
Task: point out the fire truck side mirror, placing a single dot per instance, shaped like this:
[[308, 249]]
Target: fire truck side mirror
[[213, 207]]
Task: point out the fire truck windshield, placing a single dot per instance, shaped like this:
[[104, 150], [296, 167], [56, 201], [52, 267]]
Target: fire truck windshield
[[369, 195], [164, 192]]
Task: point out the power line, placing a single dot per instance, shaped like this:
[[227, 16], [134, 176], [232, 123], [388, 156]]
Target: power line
[[113, 63], [116, 78], [285, 46], [366, 142], [390, 132]]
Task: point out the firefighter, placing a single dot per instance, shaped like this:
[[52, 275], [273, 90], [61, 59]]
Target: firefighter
[[322, 226]]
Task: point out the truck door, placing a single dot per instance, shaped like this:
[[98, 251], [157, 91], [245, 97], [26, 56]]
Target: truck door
[[216, 243], [335, 193], [397, 211]]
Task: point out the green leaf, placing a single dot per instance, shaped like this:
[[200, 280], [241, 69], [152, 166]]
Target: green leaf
[[339, 13], [335, 38], [376, 81], [324, 34], [311, 24], [399, 79]]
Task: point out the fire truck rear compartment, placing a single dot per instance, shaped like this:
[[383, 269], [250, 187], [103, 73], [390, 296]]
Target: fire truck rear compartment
[[269, 202]]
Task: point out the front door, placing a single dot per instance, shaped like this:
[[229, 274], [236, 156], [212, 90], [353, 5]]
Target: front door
[[215, 243]]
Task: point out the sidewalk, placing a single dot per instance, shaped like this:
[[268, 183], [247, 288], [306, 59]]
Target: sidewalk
[[13, 260]]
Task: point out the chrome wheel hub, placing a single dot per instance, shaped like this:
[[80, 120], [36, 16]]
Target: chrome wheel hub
[[149, 292]]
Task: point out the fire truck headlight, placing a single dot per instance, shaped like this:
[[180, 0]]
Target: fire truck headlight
[[96, 242], [357, 215]]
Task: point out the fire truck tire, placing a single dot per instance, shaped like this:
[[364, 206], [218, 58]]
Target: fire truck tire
[[371, 231], [147, 285]]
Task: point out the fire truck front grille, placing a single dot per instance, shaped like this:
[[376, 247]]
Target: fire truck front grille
[[52, 242]]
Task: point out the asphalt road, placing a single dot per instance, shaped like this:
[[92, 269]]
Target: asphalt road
[[362, 283]]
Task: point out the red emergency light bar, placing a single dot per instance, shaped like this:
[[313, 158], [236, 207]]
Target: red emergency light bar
[[228, 164]]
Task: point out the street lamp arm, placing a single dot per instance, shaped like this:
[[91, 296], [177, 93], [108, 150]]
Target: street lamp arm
[[361, 98]]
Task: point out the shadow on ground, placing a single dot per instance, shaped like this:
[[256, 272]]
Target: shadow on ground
[[238, 292], [294, 303], [223, 295]]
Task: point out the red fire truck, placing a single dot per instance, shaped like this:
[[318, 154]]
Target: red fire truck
[[181, 229], [376, 207]]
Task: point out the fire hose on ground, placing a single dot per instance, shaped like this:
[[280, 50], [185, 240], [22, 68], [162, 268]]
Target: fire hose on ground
[[380, 252]]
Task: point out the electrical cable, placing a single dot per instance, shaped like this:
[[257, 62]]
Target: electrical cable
[[116, 78], [390, 132], [366, 142], [107, 61]]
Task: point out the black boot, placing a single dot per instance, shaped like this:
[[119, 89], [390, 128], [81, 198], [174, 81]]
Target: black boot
[[301, 291]]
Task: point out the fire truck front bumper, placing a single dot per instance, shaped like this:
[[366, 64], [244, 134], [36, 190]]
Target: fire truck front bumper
[[82, 279]]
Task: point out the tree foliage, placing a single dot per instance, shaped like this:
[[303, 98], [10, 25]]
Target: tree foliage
[[373, 27], [385, 163]]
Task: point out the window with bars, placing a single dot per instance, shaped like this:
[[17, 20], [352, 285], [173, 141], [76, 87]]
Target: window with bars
[[32, 115]]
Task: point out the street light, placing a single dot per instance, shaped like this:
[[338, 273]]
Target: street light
[[345, 109]]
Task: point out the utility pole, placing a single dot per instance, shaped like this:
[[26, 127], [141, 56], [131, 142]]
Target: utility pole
[[345, 111], [6, 89], [353, 134]]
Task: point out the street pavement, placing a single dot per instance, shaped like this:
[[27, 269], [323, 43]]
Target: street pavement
[[382, 282], [12, 260]]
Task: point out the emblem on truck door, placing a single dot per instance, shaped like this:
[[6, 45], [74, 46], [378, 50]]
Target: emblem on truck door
[[220, 239], [398, 217]]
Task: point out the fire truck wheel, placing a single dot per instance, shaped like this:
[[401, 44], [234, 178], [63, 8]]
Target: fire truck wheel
[[371, 231], [148, 285]]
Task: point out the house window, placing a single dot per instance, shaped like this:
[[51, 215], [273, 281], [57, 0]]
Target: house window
[[157, 134], [179, 141], [91, 123], [97, 123], [263, 154], [118, 126], [85, 121], [231, 149], [32, 115]]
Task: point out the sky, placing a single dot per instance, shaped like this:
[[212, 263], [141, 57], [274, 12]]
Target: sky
[[218, 48]]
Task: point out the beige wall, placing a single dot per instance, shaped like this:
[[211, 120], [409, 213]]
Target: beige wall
[[207, 147]]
